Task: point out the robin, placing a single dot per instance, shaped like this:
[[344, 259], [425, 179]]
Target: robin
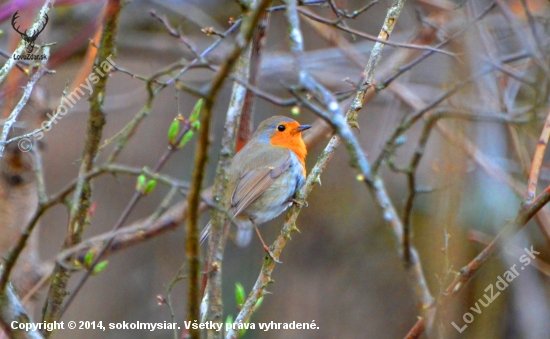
[[264, 176]]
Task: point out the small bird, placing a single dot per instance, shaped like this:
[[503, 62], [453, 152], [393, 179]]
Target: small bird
[[264, 177]]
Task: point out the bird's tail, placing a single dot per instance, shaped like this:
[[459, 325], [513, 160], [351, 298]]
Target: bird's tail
[[205, 232], [244, 233]]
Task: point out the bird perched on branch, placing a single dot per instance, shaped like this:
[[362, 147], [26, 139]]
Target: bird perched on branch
[[264, 177]]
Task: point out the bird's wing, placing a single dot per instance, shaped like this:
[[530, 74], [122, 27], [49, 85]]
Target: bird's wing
[[254, 182]]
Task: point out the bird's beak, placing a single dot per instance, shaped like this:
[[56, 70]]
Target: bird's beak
[[302, 128]]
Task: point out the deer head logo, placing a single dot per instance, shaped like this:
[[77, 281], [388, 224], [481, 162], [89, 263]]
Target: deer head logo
[[29, 39]]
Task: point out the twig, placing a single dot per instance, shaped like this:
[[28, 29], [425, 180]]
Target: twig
[[11, 120], [344, 14], [257, 47], [417, 330], [114, 169], [369, 37], [174, 33], [514, 251], [411, 179], [41, 283], [241, 42], [410, 171], [16, 250], [468, 146], [283, 102], [378, 191], [39, 175], [300, 3], [21, 47], [537, 162], [45, 127], [191, 235], [205, 53], [21, 68], [511, 72], [410, 65], [374, 58], [151, 173], [485, 163], [410, 119], [531, 22], [128, 131], [468, 271], [177, 278], [532, 45]]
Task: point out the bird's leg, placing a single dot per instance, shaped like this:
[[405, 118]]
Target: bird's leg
[[264, 245], [301, 203]]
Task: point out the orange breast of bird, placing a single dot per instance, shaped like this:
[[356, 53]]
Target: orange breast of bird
[[292, 141]]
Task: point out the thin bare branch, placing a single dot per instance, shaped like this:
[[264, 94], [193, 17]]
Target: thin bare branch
[[537, 162], [12, 119], [12, 61], [410, 65], [369, 37]]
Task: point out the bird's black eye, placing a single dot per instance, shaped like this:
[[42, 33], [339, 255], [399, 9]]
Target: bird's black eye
[[281, 128]]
